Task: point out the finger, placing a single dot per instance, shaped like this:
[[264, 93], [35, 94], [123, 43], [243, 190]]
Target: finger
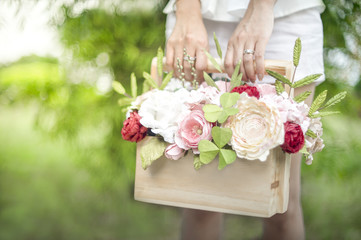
[[178, 61], [248, 62], [239, 57], [228, 60], [191, 52], [201, 64], [259, 58], [169, 57]]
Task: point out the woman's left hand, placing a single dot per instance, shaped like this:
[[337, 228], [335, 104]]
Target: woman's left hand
[[251, 34]]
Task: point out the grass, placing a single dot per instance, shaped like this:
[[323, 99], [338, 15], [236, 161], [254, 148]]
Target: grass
[[47, 191]]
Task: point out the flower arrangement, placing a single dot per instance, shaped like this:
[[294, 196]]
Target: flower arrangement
[[228, 119]]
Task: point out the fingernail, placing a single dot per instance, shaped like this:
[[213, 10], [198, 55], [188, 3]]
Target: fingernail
[[260, 76]]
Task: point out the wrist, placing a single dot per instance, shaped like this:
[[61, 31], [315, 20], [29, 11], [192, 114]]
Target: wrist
[[263, 3], [188, 9]]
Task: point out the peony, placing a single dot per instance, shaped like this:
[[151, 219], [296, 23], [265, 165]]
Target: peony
[[250, 90], [162, 110], [294, 139], [314, 145], [132, 129], [257, 128], [193, 128], [174, 152]]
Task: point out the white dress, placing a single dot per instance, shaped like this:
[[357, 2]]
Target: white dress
[[293, 18]]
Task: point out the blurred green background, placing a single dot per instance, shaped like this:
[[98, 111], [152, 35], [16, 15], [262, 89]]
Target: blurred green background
[[66, 173]]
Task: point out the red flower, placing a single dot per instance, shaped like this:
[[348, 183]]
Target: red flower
[[250, 90], [132, 130], [294, 139]]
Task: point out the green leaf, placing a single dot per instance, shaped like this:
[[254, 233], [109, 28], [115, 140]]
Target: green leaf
[[160, 62], [149, 80], [227, 155], [306, 80], [166, 80], [335, 99], [279, 77], [323, 114], [297, 52], [318, 102], [211, 112], [304, 150], [311, 134], [279, 87], [133, 85], [302, 97], [221, 163], [222, 117], [231, 111], [229, 99], [146, 87], [213, 61], [235, 81], [219, 50], [221, 136], [118, 87], [151, 151], [197, 162], [208, 151], [125, 101], [209, 80]]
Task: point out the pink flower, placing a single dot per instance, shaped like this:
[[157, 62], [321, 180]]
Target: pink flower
[[222, 85], [266, 89], [174, 152], [193, 128]]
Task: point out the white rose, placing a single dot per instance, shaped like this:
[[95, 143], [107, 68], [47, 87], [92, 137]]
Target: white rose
[[175, 84], [257, 128], [162, 110]]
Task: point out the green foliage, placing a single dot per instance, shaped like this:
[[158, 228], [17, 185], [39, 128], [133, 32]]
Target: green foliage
[[214, 113], [209, 80], [236, 79], [160, 62], [279, 77], [311, 134], [335, 99], [133, 85], [152, 149], [279, 87], [118, 87], [219, 50], [197, 164], [209, 150], [297, 52], [306, 80], [166, 80], [302, 97], [317, 103], [213, 61]]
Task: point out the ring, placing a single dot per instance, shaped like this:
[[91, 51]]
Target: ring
[[248, 51], [189, 58]]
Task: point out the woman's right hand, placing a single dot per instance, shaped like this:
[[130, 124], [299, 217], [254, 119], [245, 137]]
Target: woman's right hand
[[189, 33]]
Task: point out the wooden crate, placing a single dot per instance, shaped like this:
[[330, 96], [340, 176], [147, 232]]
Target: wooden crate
[[245, 187]]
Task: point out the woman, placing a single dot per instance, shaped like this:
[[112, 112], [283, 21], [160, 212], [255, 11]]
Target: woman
[[251, 31]]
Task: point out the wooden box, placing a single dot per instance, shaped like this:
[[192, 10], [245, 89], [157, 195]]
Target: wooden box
[[245, 187]]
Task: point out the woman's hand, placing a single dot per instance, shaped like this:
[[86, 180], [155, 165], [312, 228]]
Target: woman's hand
[[189, 33], [253, 33]]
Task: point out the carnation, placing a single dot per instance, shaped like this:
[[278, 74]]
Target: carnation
[[250, 90], [257, 128], [132, 130], [162, 110], [294, 139]]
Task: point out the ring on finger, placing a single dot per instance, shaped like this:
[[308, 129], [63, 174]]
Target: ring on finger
[[189, 58], [248, 51]]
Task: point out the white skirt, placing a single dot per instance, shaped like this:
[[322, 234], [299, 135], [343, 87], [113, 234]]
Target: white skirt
[[305, 24]]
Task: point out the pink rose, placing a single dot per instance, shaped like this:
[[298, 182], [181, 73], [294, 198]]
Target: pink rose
[[174, 152], [266, 89], [222, 85], [193, 128]]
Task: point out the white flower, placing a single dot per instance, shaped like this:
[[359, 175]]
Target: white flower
[[162, 110], [257, 128], [314, 145], [203, 95], [135, 105], [176, 84]]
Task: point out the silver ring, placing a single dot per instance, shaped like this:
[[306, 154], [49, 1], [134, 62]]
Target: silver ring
[[248, 51], [189, 58]]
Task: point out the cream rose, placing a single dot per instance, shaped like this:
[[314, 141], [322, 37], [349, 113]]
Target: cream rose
[[257, 128]]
